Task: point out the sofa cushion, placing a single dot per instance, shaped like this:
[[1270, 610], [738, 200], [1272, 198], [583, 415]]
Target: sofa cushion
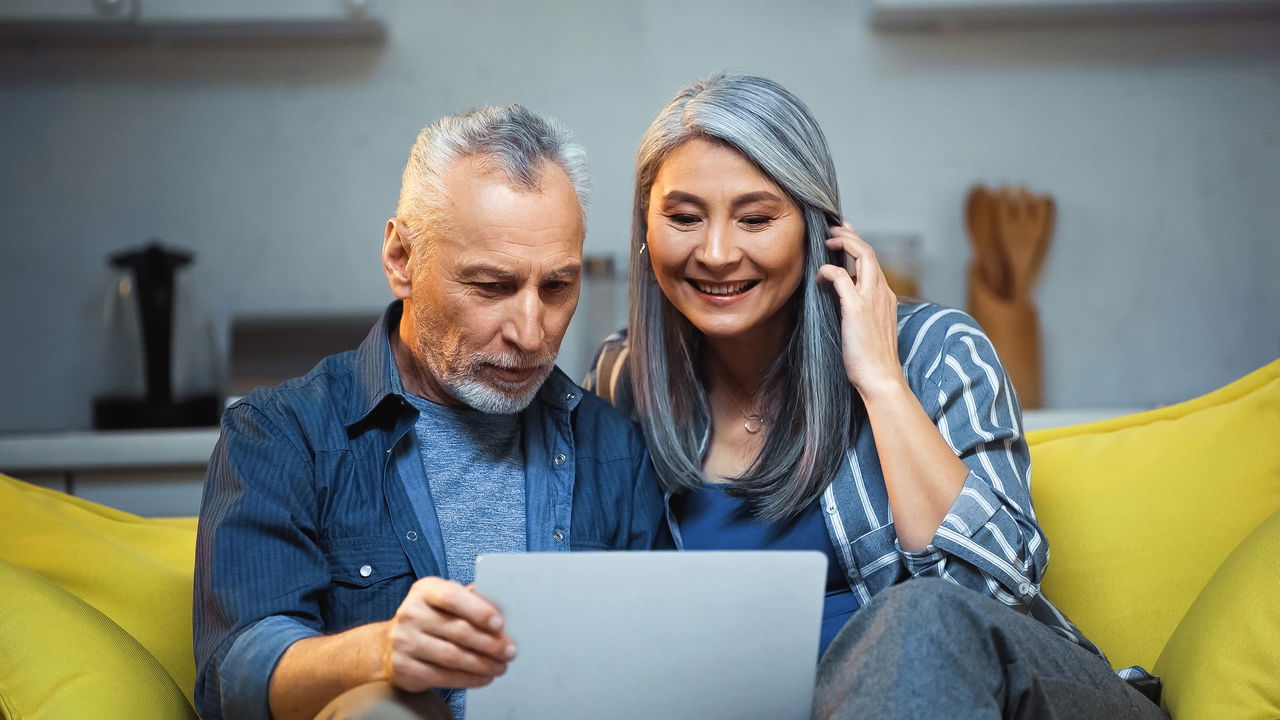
[[1223, 660], [64, 659], [1140, 510], [136, 571]]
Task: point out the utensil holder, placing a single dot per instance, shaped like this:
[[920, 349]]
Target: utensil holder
[[1014, 330]]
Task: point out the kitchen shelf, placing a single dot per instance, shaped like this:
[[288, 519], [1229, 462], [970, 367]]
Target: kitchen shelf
[[939, 15], [190, 21]]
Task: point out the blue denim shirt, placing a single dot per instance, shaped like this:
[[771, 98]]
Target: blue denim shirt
[[306, 527]]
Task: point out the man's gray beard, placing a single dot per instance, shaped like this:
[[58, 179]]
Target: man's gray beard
[[490, 400], [468, 389]]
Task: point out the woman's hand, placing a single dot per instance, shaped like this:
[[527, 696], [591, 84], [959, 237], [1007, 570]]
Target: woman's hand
[[868, 315]]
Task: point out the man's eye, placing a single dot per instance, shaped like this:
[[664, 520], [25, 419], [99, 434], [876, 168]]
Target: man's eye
[[490, 287]]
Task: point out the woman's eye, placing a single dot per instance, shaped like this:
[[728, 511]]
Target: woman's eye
[[683, 218], [756, 221]]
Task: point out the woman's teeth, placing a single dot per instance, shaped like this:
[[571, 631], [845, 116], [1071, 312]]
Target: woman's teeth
[[724, 288]]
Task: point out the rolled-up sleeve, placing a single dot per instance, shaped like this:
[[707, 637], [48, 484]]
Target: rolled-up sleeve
[[258, 570], [989, 540]]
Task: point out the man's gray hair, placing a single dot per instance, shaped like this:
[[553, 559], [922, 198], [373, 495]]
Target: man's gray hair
[[806, 387], [512, 140]]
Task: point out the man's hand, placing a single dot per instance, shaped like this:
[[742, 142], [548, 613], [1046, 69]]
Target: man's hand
[[445, 635]]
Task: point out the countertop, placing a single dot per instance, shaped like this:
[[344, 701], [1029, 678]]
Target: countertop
[[103, 449], [89, 450]]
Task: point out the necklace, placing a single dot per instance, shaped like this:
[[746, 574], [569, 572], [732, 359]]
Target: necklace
[[753, 422]]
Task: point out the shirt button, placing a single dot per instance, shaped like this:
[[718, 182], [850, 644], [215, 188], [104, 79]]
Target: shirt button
[[557, 536], [559, 458], [411, 535], [366, 570], [569, 396], [831, 509], [1025, 589]]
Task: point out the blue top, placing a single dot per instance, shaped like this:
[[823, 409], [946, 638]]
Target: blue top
[[712, 519], [307, 528], [473, 469]]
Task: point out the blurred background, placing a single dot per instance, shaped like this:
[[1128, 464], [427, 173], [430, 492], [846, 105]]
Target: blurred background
[[276, 161]]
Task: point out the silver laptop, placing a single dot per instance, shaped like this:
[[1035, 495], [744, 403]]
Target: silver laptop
[[669, 635]]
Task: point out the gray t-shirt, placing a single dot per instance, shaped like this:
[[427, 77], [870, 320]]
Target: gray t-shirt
[[474, 463]]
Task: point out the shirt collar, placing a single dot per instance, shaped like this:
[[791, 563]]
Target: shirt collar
[[377, 378]]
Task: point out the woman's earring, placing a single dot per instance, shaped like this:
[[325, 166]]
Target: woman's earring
[[643, 246]]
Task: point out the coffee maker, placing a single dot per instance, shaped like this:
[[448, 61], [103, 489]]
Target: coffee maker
[[140, 316]]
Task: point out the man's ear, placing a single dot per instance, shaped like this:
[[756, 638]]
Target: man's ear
[[395, 259]]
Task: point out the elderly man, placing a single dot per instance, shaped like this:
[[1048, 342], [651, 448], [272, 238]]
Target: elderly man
[[344, 510]]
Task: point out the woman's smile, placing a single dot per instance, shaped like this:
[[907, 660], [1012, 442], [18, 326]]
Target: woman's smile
[[723, 291]]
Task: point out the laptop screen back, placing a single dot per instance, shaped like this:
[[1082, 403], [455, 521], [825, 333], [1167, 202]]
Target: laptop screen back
[[654, 634]]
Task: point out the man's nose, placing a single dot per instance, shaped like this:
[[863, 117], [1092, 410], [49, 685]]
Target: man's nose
[[719, 249], [524, 328]]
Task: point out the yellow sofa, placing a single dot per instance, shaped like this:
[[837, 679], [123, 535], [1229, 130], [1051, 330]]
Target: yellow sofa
[[1164, 529]]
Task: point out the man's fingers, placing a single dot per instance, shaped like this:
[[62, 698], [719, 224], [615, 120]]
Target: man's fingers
[[496, 645], [457, 600], [453, 657], [415, 675]]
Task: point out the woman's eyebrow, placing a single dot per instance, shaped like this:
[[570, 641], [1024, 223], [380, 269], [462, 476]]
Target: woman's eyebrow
[[758, 196], [679, 196]]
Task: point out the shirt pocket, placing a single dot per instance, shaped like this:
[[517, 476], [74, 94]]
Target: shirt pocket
[[360, 562], [370, 578]]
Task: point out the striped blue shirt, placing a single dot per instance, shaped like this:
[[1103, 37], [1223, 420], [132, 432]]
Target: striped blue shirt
[[989, 541]]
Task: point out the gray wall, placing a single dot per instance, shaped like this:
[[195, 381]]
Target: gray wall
[[278, 166]]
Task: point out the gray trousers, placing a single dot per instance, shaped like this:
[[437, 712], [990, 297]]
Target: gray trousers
[[921, 649], [929, 649]]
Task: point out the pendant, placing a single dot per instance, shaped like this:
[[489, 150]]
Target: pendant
[[753, 424]]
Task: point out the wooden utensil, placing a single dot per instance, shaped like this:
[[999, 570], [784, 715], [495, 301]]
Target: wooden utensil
[[1020, 218], [980, 216], [1014, 330]]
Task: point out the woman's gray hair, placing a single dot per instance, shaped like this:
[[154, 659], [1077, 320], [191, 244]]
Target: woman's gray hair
[[805, 390], [512, 140]]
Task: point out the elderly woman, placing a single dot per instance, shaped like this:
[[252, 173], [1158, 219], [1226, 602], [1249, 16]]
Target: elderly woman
[[791, 401]]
